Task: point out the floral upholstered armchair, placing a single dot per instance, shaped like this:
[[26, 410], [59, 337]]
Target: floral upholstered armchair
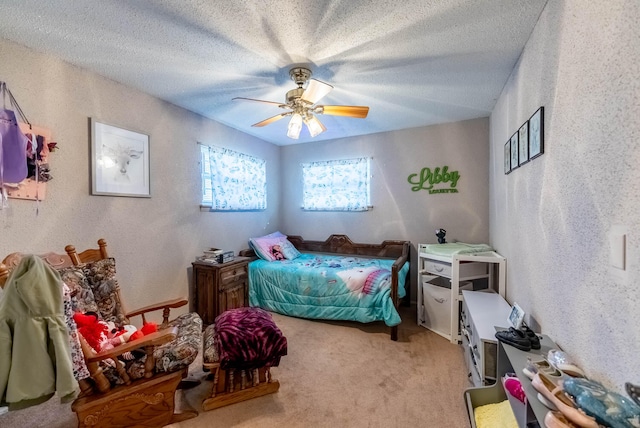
[[133, 383]]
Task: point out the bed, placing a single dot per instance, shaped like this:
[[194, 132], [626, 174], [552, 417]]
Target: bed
[[335, 279]]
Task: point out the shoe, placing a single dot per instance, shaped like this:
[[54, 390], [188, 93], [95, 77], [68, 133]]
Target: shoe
[[562, 401], [514, 387], [548, 404], [515, 338], [533, 337], [633, 391], [561, 361], [607, 407], [555, 419], [543, 366]]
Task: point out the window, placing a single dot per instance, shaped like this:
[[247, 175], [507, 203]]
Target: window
[[232, 181], [339, 185]]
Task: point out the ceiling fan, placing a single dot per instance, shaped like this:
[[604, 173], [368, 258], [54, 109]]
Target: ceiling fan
[[303, 108]]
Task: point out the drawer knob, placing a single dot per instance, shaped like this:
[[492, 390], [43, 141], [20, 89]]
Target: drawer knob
[[439, 300], [439, 268]]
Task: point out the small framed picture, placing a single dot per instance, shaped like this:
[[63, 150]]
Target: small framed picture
[[514, 151], [536, 134], [523, 143], [507, 157], [119, 161], [516, 316]]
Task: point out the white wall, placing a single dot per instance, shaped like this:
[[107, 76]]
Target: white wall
[[399, 212], [154, 240], [552, 218]]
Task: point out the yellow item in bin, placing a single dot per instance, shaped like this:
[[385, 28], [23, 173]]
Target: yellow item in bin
[[495, 415]]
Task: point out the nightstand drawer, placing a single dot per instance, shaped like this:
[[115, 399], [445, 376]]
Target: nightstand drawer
[[444, 269], [234, 274]]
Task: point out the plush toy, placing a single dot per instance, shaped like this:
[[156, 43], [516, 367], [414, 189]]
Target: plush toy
[[147, 328], [102, 336], [94, 331], [121, 335], [440, 233]]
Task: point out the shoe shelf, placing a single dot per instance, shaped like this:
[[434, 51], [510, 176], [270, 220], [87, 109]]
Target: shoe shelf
[[512, 360], [441, 280]]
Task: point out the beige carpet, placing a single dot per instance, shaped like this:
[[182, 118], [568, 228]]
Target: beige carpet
[[335, 375]]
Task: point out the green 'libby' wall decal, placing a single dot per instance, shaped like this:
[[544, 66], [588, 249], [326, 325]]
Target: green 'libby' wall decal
[[426, 179]]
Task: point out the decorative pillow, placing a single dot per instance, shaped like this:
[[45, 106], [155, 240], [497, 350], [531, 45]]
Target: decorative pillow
[[101, 278], [83, 298], [274, 248]]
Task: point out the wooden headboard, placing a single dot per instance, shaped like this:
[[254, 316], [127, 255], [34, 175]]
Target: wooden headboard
[[341, 244]]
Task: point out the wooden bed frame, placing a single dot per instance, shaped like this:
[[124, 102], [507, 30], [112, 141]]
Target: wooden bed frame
[[341, 244]]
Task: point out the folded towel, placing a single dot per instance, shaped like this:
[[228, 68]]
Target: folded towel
[[495, 415], [455, 248]]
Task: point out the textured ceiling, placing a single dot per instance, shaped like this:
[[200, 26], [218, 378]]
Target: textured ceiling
[[414, 62]]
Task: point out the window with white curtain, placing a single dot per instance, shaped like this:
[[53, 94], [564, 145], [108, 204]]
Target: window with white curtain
[[232, 181], [337, 185]]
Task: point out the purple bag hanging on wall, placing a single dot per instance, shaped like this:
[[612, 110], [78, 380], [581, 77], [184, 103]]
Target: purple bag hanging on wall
[[13, 145]]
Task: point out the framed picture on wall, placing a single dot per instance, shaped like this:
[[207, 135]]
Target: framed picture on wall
[[514, 151], [536, 131], [119, 161], [507, 157], [523, 143]]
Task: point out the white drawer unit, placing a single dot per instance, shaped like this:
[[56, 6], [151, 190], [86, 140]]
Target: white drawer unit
[[481, 313], [436, 301], [439, 305]]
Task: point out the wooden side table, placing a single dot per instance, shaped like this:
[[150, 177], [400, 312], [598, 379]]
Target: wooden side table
[[219, 287]]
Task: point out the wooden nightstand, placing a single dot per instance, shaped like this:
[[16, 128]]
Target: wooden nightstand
[[219, 287]]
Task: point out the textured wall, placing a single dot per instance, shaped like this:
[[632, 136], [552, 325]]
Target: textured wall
[[154, 240], [399, 212], [552, 218]]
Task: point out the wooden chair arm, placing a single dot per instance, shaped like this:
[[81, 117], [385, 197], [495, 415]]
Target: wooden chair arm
[[165, 306], [154, 339]]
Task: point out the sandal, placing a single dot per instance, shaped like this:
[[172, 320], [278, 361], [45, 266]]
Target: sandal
[[555, 419], [562, 401], [543, 366], [607, 407], [633, 391], [561, 361]]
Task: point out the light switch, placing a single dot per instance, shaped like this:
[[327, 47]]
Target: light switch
[[618, 244]]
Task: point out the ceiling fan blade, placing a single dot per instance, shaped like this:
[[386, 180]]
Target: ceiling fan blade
[[315, 90], [258, 101], [272, 119], [359, 112]]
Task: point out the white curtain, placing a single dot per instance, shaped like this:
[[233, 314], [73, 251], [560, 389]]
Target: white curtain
[[232, 181], [339, 185]]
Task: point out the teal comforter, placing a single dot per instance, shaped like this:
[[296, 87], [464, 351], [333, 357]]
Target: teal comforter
[[324, 286]]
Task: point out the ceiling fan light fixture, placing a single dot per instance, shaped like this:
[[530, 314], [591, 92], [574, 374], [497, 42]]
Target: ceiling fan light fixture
[[315, 91], [301, 105], [295, 126], [314, 126]]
